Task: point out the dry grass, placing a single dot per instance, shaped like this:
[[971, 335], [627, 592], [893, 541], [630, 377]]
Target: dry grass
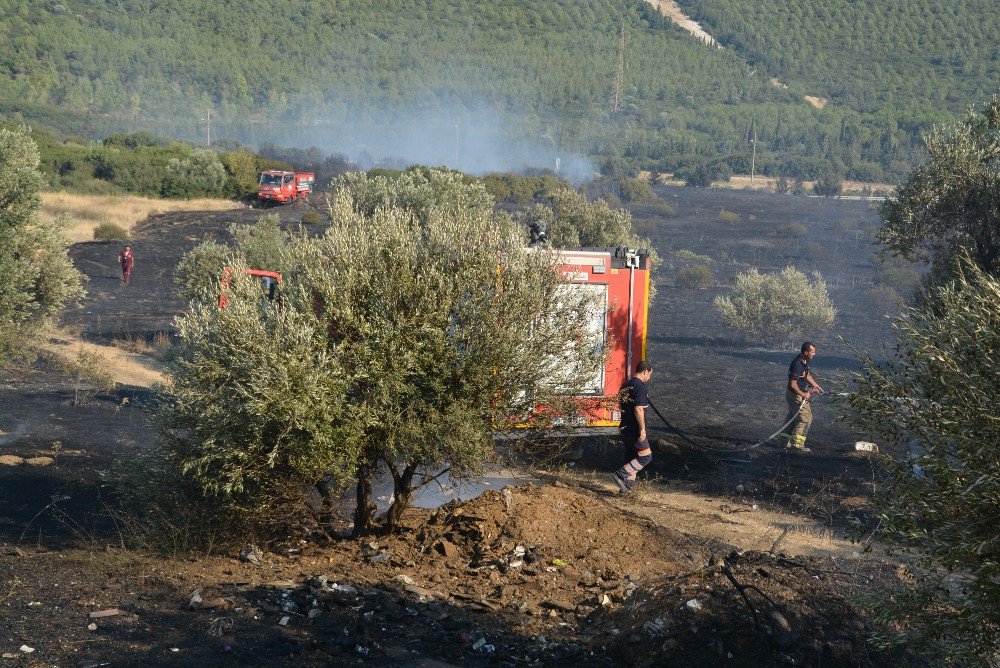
[[128, 368], [89, 211]]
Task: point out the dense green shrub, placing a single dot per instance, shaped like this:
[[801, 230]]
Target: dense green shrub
[[790, 230], [38, 276], [935, 402], [110, 232], [393, 362], [728, 216], [828, 186], [777, 308], [697, 276], [950, 204], [311, 218]]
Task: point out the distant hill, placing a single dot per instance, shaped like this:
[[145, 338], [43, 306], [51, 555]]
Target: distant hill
[[479, 85]]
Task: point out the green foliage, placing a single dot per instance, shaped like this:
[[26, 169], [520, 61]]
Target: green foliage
[[883, 299], [929, 54], [572, 221], [38, 276], [697, 276], [777, 308], [522, 190], [199, 174], [90, 376], [828, 186], [244, 171], [951, 202], [311, 218], [110, 232], [685, 255], [790, 230], [938, 396], [728, 216], [549, 68], [393, 359], [199, 271]]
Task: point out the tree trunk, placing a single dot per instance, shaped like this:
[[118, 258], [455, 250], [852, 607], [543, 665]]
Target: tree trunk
[[364, 512], [402, 489]]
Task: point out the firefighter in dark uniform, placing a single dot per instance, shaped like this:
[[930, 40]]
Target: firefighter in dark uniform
[[801, 387], [633, 400]]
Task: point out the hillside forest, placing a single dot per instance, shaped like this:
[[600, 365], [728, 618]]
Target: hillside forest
[[363, 77]]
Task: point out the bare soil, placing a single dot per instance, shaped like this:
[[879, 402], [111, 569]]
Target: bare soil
[[737, 558]]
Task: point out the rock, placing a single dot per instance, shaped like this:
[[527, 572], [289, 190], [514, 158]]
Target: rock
[[740, 489], [284, 621], [26, 649], [40, 461], [584, 610], [448, 549], [586, 578], [508, 498], [780, 620], [559, 605], [603, 600], [111, 612], [252, 555], [92, 626], [11, 460], [405, 579], [694, 605], [377, 557], [313, 613], [217, 603], [479, 644], [571, 573]]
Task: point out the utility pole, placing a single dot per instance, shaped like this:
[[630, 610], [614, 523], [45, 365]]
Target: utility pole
[[208, 128], [753, 156], [619, 86]]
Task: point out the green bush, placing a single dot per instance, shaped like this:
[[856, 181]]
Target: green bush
[[777, 308], [685, 255], [697, 276], [392, 363], [828, 186], [38, 277], [935, 403], [110, 232], [883, 299], [311, 218], [728, 216], [790, 230]]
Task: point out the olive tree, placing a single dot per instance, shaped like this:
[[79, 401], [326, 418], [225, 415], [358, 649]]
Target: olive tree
[[951, 201], [938, 398], [406, 335], [38, 277], [777, 308]]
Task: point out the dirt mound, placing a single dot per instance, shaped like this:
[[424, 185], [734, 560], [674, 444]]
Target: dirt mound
[[558, 525]]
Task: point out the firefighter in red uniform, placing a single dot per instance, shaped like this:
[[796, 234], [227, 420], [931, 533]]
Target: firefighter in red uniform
[[126, 260]]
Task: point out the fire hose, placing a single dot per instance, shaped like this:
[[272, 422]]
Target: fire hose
[[726, 451]]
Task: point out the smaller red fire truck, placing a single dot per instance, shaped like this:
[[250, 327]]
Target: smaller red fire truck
[[281, 187]]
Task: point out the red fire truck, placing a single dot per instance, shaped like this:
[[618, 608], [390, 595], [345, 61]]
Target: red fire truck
[[278, 186], [618, 279]]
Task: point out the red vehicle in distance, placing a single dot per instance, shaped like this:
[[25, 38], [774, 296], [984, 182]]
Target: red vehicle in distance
[[280, 186]]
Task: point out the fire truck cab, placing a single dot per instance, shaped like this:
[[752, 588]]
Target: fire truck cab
[[280, 186]]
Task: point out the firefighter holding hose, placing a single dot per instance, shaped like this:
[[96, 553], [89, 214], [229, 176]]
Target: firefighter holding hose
[[801, 387]]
